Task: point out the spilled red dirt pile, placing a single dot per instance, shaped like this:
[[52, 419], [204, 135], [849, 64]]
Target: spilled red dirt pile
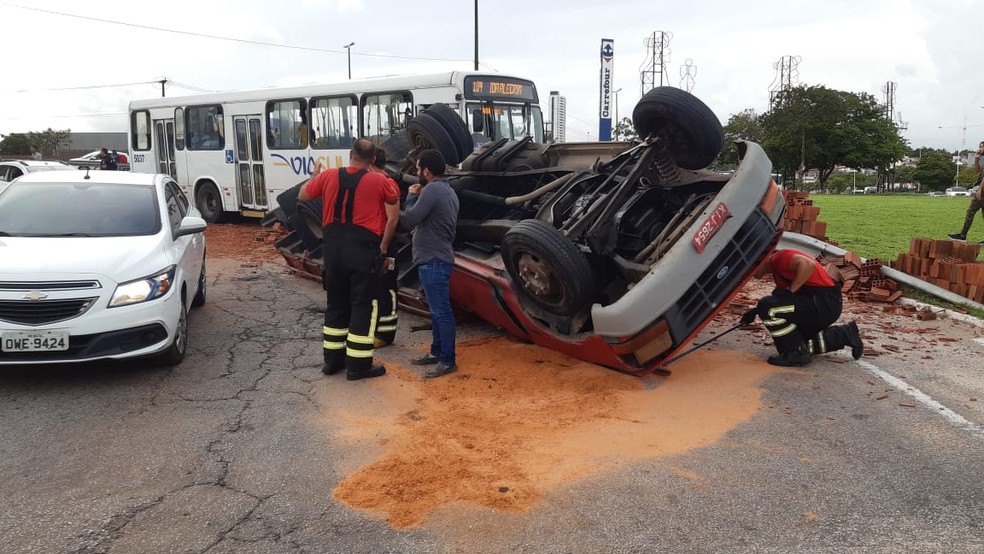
[[517, 420]]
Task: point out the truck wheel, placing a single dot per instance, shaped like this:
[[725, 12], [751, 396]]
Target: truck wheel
[[547, 268], [455, 126], [692, 133], [208, 202], [425, 131]]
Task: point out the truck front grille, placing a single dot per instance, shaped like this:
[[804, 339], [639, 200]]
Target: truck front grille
[[722, 276]]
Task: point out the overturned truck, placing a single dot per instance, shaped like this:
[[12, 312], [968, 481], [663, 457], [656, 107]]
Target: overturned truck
[[614, 253]]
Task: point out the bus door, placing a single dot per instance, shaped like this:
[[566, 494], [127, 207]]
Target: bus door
[[249, 162], [164, 146]]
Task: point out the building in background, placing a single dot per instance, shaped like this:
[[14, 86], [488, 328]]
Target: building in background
[[558, 116]]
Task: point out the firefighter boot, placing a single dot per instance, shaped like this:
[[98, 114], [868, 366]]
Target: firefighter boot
[[798, 356], [836, 337]]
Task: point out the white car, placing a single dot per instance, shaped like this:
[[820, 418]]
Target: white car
[[93, 160], [12, 169], [97, 265], [957, 191]]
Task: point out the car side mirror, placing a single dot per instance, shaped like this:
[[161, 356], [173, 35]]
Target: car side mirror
[[189, 226], [478, 122]]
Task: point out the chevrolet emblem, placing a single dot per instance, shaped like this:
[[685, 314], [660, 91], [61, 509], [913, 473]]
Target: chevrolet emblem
[[35, 296]]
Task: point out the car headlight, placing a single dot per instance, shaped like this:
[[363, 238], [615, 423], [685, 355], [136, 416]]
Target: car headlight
[[142, 290]]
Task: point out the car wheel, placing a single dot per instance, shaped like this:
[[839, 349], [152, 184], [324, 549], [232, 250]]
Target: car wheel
[[176, 352], [208, 202], [692, 133], [455, 126], [425, 132], [547, 268], [199, 299]]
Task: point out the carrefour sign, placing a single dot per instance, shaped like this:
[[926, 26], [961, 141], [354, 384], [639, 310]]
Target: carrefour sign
[[607, 76]]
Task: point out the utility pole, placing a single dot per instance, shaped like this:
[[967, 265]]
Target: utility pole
[[349, 48], [162, 81], [476, 35]]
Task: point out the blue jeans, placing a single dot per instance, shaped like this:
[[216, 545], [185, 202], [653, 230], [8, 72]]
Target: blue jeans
[[435, 276]]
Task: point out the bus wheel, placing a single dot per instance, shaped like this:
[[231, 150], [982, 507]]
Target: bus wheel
[[208, 202], [425, 131], [547, 268], [455, 126], [692, 133]]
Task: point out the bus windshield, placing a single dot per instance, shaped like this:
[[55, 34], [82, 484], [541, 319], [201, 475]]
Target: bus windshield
[[511, 121]]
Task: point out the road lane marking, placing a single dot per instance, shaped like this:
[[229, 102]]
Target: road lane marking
[[923, 399]]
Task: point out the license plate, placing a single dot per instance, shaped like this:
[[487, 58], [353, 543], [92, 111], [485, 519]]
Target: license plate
[[711, 226], [34, 341]]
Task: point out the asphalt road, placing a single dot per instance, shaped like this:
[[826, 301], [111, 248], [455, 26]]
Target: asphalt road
[[235, 450]]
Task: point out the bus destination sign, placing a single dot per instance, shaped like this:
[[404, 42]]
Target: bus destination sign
[[493, 88]]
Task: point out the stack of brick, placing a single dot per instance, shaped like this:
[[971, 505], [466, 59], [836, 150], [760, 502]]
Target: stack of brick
[[801, 215], [947, 264], [863, 280]]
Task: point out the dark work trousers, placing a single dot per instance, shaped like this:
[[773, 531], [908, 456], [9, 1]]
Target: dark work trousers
[[975, 206], [804, 319], [353, 311], [388, 316]]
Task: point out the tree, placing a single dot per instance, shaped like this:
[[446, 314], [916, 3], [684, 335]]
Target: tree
[[744, 125], [16, 145], [624, 130], [968, 176], [820, 128], [935, 171], [49, 142]]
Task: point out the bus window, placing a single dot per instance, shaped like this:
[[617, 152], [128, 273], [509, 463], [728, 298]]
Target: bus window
[[385, 115], [335, 121], [205, 128], [512, 121], [179, 129], [287, 126], [140, 123]]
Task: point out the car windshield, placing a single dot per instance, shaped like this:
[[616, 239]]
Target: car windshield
[[78, 210]]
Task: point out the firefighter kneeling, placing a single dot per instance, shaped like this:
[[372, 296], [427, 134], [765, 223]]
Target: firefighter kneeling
[[800, 311]]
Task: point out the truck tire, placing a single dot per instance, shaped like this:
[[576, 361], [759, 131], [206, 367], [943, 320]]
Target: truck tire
[[209, 202], [547, 268], [425, 131], [455, 126], [692, 133]]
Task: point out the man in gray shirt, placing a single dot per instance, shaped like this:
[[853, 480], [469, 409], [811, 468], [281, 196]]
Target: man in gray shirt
[[432, 210]]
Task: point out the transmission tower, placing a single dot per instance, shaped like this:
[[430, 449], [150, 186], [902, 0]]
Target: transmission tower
[[688, 72], [657, 56], [787, 75], [890, 113]]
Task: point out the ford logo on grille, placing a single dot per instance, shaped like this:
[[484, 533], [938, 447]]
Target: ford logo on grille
[[723, 273], [35, 296]]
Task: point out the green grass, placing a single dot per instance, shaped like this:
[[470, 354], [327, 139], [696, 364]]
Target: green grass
[[880, 226]]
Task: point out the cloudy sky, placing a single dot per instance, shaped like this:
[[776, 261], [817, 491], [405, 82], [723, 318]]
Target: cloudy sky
[[76, 64]]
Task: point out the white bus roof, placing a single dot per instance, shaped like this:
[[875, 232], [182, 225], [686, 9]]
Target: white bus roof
[[379, 84]]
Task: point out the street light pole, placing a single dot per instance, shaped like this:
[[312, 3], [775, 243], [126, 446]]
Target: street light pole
[[618, 135], [476, 35], [349, 48]]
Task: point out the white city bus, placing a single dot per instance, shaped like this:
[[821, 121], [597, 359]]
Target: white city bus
[[234, 152]]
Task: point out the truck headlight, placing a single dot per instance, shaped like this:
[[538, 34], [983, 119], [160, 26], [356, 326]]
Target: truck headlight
[[142, 290]]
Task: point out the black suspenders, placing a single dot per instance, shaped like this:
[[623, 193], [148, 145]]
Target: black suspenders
[[347, 183]]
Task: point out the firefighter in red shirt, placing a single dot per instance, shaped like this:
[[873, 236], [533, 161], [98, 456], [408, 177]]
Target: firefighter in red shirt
[[801, 310], [389, 317], [359, 217]]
